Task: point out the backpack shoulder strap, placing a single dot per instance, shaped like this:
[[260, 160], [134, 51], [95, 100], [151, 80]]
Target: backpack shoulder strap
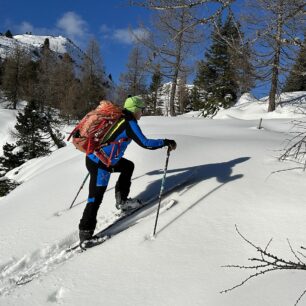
[[113, 129]]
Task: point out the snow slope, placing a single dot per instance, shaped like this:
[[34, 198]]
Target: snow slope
[[289, 105], [7, 123], [33, 44], [59, 44], [222, 170]]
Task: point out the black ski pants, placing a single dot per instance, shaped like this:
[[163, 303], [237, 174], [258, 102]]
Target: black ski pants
[[99, 177]]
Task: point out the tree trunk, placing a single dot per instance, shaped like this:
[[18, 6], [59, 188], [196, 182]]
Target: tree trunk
[[176, 72], [274, 82], [155, 102], [172, 95], [276, 60]]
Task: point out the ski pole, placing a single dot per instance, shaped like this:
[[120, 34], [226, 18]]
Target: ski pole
[[86, 177], [161, 190]]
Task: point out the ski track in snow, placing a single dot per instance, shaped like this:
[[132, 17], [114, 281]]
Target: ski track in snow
[[18, 272]]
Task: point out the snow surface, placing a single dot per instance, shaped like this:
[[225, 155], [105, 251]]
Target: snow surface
[[31, 43], [221, 176], [289, 105], [59, 44]]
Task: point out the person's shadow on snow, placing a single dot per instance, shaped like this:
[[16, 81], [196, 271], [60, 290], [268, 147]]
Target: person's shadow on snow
[[182, 181], [190, 176], [186, 178]]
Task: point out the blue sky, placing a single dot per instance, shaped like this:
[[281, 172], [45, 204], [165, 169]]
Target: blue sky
[[108, 21]]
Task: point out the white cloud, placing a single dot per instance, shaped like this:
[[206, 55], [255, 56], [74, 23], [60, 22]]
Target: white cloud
[[104, 28], [128, 36], [73, 25], [26, 27], [69, 25]]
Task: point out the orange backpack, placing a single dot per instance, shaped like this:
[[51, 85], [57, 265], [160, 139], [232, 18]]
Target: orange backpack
[[95, 128]]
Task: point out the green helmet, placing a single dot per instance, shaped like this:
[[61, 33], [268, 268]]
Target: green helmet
[[134, 103]]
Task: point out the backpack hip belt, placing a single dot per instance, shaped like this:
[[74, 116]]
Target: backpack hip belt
[[105, 159]]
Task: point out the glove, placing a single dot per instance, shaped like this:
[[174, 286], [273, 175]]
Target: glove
[[171, 144]]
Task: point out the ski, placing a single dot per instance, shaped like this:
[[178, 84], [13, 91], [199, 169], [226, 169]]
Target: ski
[[117, 226]]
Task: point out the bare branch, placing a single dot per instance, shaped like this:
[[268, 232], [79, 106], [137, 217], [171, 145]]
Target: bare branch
[[172, 5], [268, 263]]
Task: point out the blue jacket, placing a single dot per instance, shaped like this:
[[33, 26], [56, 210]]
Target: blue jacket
[[126, 130]]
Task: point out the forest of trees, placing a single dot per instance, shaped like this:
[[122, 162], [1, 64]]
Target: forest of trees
[[260, 47], [263, 46]]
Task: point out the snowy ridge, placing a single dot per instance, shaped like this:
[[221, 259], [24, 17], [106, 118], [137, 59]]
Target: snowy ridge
[[33, 45]]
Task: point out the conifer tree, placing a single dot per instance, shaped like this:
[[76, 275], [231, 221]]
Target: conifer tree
[[31, 141], [296, 80], [153, 100], [31, 132], [12, 158], [8, 34], [197, 98], [1, 72], [6, 185], [46, 44], [218, 75]]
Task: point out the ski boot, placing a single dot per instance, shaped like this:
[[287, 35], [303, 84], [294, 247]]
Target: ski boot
[[85, 236], [129, 204]]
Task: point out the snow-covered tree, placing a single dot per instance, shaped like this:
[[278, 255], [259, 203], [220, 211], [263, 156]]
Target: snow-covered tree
[[6, 185], [12, 157]]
